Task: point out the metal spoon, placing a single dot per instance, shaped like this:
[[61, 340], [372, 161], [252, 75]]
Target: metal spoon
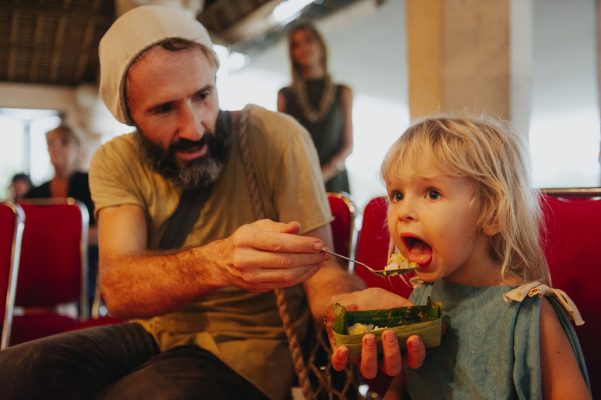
[[379, 272]]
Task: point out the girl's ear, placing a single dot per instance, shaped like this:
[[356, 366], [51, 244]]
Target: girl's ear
[[491, 229]]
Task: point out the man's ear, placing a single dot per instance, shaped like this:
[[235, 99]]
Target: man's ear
[[491, 229]]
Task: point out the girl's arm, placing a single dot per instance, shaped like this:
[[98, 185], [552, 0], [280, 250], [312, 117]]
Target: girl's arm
[[561, 375]]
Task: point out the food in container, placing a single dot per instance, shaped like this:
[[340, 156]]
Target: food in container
[[424, 321]]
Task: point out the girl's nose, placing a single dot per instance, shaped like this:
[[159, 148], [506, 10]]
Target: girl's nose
[[406, 211]]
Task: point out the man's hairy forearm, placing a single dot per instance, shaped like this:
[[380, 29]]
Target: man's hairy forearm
[[328, 282], [149, 284]]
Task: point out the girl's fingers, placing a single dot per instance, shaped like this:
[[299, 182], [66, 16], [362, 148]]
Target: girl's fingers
[[416, 352], [369, 357], [339, 358], [391, 363]]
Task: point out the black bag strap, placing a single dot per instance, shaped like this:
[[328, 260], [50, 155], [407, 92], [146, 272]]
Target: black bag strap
[[190, 203], [182, 220]]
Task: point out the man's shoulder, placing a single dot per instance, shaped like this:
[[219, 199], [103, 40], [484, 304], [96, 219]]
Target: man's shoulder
[[124, 142], [122, 146], [272, 122]]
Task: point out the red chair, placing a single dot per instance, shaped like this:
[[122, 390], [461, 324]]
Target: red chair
[[572, 242], [343, 225], [52, 268], [11, 231], [373, 246]]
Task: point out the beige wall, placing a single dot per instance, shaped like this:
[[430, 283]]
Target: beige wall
[[81, 108], [458, 52], [15, 95]]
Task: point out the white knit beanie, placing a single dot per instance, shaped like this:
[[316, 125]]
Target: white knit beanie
[[129, 36]]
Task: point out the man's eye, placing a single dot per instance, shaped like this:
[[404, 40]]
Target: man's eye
[[433, 194], [203, 94], [162, 109]]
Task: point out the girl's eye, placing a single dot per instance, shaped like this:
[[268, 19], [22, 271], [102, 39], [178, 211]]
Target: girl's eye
[[396, 196], [433, 194]]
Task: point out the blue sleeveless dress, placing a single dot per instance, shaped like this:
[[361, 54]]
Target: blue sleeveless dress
[[491, 349]]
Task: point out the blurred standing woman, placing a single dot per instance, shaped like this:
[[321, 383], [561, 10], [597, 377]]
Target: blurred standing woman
[[321, 106]]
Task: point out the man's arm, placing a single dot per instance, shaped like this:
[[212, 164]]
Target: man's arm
[[258, 257], [330, 280]]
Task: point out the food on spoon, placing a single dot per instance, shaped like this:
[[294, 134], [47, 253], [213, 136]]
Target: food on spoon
[[398, 262]]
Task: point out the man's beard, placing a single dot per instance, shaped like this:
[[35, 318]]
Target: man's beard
[[198, 173]]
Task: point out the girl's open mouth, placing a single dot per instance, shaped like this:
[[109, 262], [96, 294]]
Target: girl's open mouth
[[419, 251]]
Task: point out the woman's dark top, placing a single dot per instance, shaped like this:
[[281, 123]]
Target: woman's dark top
[[78, 189], [327, 133]]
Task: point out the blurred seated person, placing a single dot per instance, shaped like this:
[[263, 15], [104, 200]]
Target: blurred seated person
[[19, 186], [64, 149]]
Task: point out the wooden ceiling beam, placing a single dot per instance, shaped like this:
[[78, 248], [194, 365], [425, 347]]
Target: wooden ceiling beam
[[88, 37], [59, 39], [14, 45], [35, 56], [251, 25]]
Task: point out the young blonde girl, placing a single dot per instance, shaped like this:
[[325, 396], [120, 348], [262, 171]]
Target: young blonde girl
[[462, 208]]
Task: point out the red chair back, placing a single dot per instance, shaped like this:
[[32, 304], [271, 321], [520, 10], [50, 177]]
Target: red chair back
[[11, 231], [373, 243], [572, 243], [343, 225], [54, 254], [52, 268]]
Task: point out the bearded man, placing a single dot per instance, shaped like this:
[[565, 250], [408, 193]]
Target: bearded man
[[198, 292]]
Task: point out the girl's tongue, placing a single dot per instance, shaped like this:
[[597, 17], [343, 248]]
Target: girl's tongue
[[420, 252]]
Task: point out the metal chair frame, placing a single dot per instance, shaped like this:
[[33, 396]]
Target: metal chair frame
[[352, 209], [15, 254]]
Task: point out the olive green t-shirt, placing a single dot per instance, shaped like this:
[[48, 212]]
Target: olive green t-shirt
[[241, 328]]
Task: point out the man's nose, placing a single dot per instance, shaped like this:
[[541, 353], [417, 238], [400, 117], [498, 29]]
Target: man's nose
[[190, 123]]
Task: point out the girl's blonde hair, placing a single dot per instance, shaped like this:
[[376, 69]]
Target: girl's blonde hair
[[493, 156]]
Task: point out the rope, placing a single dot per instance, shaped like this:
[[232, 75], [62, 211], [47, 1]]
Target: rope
[[297, 355]]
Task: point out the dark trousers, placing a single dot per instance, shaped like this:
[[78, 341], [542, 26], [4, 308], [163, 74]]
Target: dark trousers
[[115, 362]]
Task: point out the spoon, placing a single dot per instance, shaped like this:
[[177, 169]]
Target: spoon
[[379, 272]]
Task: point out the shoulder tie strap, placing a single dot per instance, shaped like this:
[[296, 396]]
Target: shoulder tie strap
[[538, 289], [259, 211]]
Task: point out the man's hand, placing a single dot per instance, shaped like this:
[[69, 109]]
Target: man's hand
[[266, 255], [391, 362]]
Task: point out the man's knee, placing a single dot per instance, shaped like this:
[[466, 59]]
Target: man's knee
[[26, 367], [29, 356]]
